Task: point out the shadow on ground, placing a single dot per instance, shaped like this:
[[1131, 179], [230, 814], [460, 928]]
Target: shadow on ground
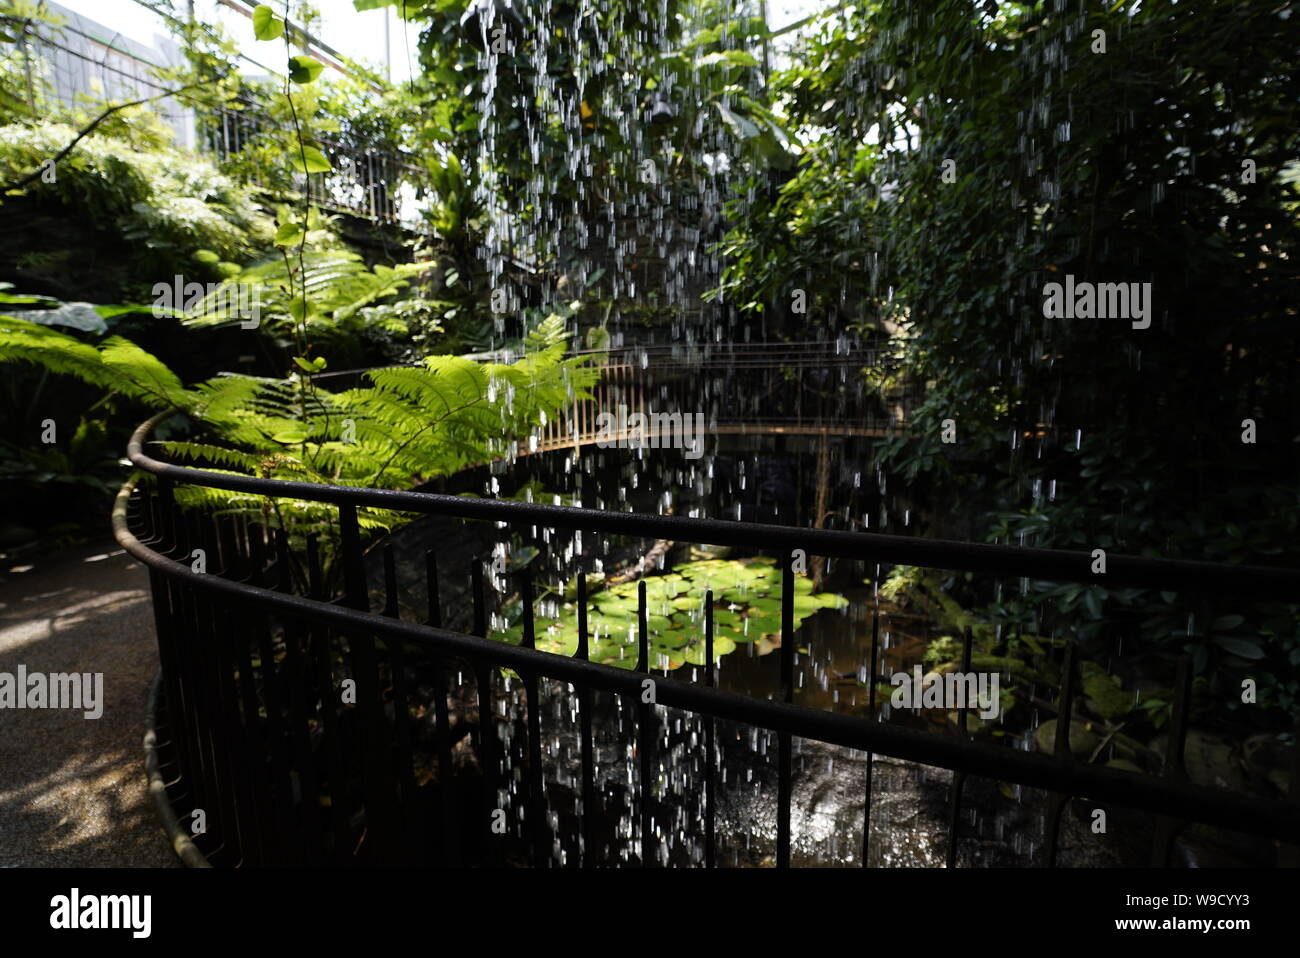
[[72, 790]]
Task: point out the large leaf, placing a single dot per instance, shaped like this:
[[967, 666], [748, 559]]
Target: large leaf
[[267, 25], [304, 69], [308, 159]]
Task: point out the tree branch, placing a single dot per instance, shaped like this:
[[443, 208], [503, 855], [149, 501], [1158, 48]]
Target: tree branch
[[90, 128]]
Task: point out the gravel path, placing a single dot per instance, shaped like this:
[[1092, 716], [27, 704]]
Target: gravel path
[[72, 790]]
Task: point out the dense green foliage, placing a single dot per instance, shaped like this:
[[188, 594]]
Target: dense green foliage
[[409, 425], [162, 214], [169, 212], [1127, 165], [913, 173]]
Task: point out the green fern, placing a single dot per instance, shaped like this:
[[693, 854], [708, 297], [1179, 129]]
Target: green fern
[[409, 425], [337, 283]]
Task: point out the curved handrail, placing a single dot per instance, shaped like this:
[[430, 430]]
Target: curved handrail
[[1207, 804], [1027, 562]]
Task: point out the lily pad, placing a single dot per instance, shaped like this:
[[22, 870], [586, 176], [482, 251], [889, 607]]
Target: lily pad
[[747, 609]]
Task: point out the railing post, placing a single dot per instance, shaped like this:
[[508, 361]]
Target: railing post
[[589, 802], [646, 731], [872, 679], [536, 799], [1062, 753], [710, 760], [785, 742], [959, 778], [1166, 828]]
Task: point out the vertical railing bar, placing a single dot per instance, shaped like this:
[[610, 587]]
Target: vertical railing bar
[[442, 718], [321, 652], [390, 583], [190, 702], [584, 650], [1061, 753], [1166, 828], [588, 856], [413, 827], [354, 576], [256, 540], [284, 561], [486, 736], [486, 717], [315, 589], [536, 800], [785, 742], [277, 738], [959, 778], [480, 601], [871, 710], [431, 587], [1294, 794], [382, 808], [710, 773], [166, 515], [207, 674], [645, 734], [296, 635], [257, 828]]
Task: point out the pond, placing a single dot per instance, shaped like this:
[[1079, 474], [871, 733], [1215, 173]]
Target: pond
[[751, 478]]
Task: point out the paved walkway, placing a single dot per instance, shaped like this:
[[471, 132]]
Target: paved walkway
[[72, 790]]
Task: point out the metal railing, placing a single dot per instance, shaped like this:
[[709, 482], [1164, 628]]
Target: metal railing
[[369, 180], [799, 388], [256, 736]]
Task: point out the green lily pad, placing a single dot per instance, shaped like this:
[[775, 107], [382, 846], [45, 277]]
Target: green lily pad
[[764, 624], [695, 654], [747, 609]]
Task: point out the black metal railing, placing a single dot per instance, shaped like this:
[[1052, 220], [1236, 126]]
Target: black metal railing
[[290, 719], [367, 179], [797, 388]]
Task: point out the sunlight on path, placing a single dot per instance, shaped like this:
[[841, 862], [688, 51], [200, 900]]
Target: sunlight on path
[[72, 790]]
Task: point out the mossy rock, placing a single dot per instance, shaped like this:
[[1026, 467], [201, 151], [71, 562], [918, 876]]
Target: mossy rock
[[1104, 693]]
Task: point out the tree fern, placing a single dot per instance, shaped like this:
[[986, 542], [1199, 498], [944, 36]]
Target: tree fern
[[407, 426], [337, 283]]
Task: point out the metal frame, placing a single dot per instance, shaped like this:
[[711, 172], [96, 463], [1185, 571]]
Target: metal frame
[[241, 709]]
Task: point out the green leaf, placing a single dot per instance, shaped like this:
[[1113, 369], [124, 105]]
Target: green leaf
[[732, 58], [289, 234], [303, 69], [1240, 647], [315, 161], [266, 25], [292, 436], [743, 127]]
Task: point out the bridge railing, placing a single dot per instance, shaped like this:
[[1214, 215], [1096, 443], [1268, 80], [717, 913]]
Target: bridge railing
[[305, 727], [799, 388], [374, 181]]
